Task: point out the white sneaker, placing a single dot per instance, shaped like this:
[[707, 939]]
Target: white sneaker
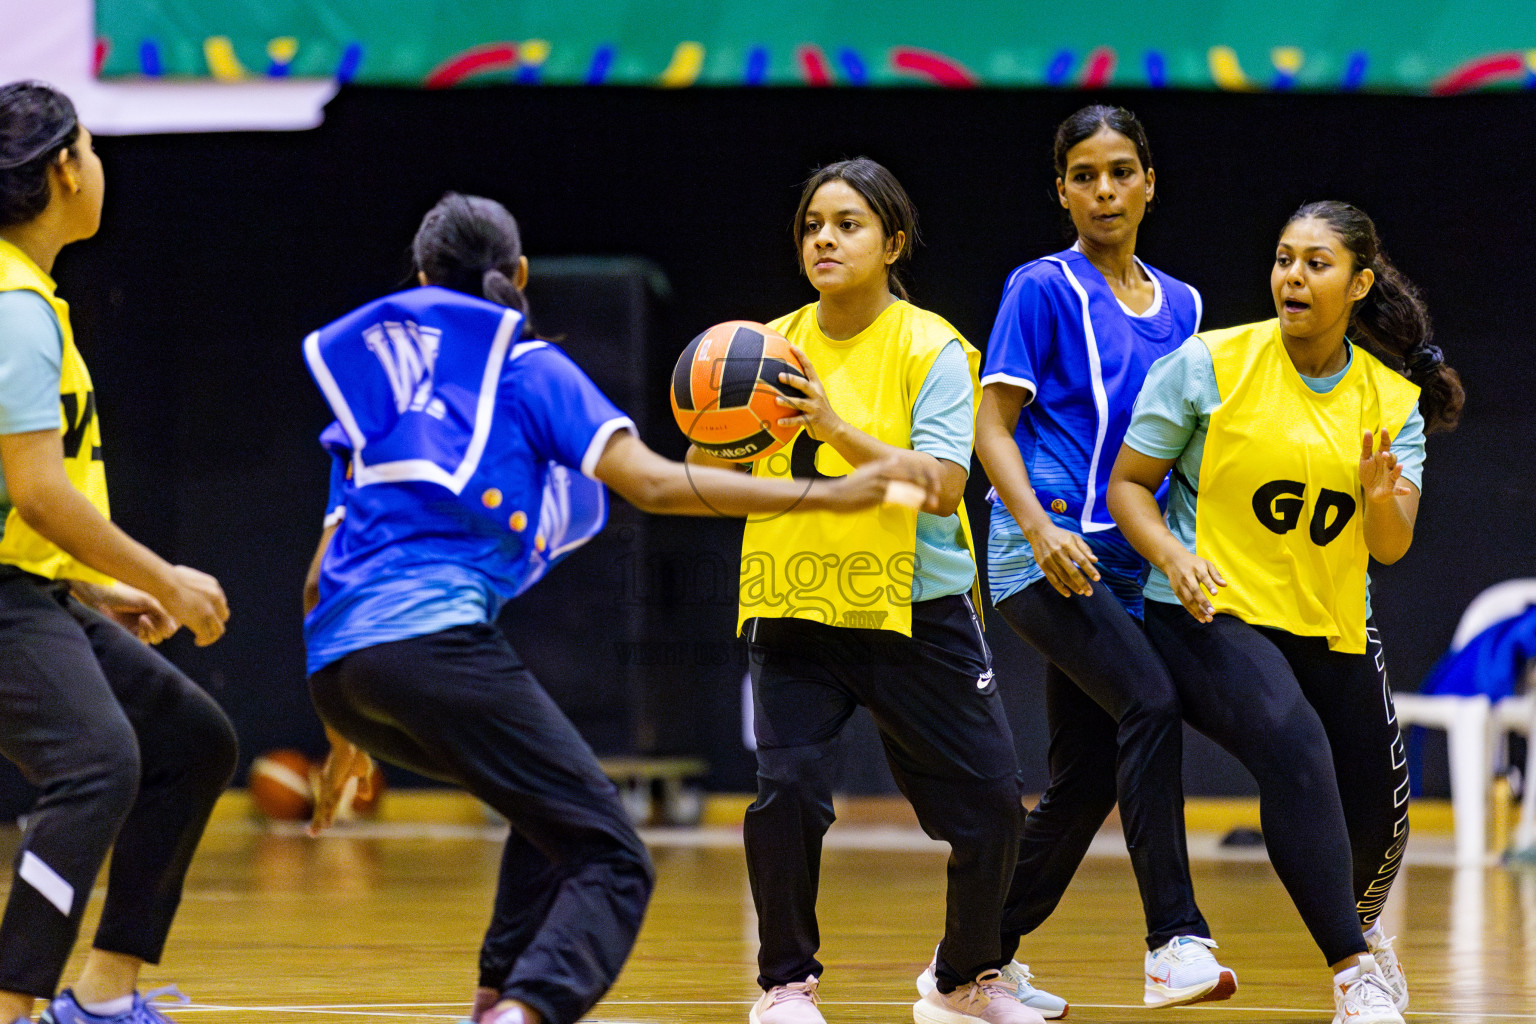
[[1362, 996], [988, 1000], [1016, 975], [1391, 966], [1182, 971], [794, 1003]]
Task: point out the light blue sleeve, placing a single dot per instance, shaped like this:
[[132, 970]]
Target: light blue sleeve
[[1179, 391], [943, 417], [31, 361], [1408, 446]]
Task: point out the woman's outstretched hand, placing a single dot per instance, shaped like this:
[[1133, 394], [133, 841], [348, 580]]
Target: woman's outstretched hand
[[1380, 473]]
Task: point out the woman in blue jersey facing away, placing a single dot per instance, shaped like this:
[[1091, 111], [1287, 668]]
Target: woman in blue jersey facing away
[[874, 609], [128, 754], [469, 457], [1074, 337], [1297, 451]]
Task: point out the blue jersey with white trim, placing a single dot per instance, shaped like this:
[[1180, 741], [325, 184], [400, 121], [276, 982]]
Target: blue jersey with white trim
[[464, 460], [1062, 335]]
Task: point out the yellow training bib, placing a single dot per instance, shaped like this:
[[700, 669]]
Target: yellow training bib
[[21, 545], [1279, 495], [848, 569]]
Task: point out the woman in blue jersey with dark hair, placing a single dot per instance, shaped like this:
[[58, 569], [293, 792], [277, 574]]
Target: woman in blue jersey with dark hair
[[469, 457], [1074, 337]]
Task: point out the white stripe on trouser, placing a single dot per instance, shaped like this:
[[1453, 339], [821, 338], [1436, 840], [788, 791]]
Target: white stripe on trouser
[[1375, 896], [47, 881]]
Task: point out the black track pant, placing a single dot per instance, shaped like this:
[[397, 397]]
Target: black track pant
[[1116, 732], [1317, 730], [948, 744], [460, 707], [130, 755]]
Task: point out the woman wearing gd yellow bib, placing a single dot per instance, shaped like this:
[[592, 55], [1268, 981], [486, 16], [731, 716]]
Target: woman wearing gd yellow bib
[[130, 754], [1297, 455], [874, 608]]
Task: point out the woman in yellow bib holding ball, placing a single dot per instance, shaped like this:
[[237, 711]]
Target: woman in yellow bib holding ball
[[1297, 456], [874, 608]]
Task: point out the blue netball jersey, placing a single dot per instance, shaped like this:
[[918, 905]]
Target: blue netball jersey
[[1062, 335], [461, 470]]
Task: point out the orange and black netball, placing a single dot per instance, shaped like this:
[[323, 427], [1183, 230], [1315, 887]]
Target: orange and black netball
[[725, 391]]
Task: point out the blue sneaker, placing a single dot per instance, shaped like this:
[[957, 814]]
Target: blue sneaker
[[63, 1009]]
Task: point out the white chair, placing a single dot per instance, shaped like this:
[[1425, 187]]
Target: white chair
[[1466, 724], [1475, 728]]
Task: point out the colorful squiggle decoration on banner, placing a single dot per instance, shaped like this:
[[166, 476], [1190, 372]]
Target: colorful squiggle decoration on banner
[[1100, 69], [818, 66], [280, 54], [219, 52], [813, 65], [1287, 61], [149, 59], [473, 61], [530, 60], [683, 71], [1354, 71], [1226, 72], [757, 66], [602, 63], [853, 66], [935, 67], [351, 60], [1060, 67], [1497, 67]]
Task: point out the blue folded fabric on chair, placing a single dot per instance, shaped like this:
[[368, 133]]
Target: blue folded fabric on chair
[[1491, 663]]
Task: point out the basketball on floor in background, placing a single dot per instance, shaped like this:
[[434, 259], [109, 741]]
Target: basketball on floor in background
[[725, 391], [279, 784]]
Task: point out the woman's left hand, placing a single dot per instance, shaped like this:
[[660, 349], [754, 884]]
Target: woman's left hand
[[135, 611], [1380, 474], [813, 412]]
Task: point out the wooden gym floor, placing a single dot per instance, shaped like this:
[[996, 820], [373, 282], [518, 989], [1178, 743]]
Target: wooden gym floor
[[382, 922]]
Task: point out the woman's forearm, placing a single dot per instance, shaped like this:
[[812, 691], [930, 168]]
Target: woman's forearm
[[1135, 511], [1000, 457], [1388, 529], [67, 518]]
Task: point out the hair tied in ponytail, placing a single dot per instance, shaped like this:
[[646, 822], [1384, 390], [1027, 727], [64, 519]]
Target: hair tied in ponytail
[[1422, 362]]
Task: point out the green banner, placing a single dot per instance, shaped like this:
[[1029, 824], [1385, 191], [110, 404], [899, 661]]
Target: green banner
[[1430, 46]]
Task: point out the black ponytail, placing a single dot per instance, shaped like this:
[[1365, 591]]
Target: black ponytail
[[472, 244], [37, 122], [1392, 321]]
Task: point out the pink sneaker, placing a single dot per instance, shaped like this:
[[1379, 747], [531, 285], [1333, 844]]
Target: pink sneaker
[[511, 1015], [789, 1004], [990, 998]]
